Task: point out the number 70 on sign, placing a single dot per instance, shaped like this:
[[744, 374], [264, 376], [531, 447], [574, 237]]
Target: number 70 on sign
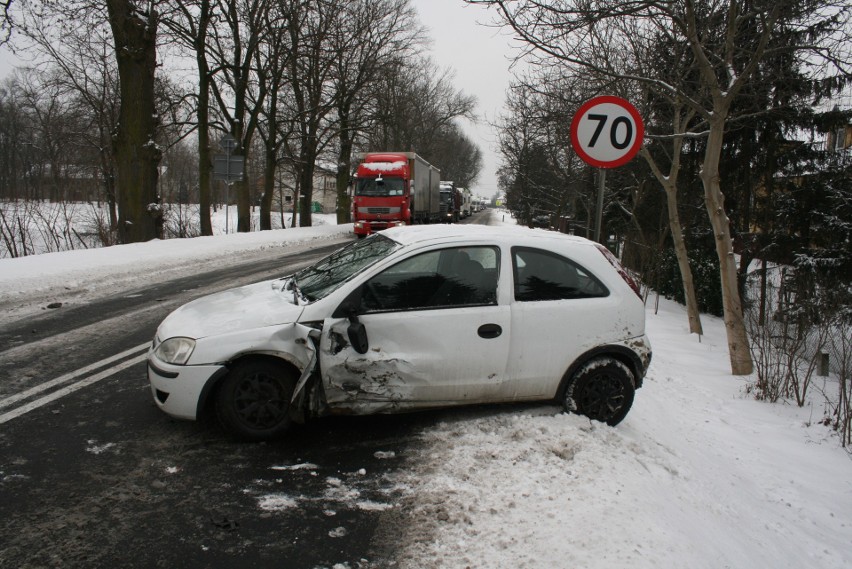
[[607, 132]]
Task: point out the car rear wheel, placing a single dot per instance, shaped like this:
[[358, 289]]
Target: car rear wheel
[[253, 401], [602, 389]]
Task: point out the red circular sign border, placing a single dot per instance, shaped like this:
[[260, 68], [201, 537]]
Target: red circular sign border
[[624, 104]]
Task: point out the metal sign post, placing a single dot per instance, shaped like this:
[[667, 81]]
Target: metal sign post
[[599, 208], [229, 168]]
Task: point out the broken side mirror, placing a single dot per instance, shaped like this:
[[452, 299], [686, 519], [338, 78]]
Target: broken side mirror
[[356, 330], [357, 333]]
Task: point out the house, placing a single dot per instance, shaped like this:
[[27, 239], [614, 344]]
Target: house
[[324, 198]]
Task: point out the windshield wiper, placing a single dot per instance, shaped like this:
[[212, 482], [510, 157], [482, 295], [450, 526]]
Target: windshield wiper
[[294, 286]]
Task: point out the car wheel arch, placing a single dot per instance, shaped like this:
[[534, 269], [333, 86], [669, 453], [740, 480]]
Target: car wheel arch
[[621, 353], [207, 398]]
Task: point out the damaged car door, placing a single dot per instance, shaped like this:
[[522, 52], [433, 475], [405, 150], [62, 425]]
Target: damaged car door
[[427, 331]]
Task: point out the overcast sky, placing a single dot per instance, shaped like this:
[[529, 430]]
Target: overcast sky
[[480, 56]]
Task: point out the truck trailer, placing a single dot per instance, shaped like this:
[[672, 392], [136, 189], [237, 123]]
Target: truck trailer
[[467, 202], [392, 189], [450, 202]]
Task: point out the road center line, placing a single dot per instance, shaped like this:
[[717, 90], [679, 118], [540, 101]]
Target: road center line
[[69, 376], [70, 389]]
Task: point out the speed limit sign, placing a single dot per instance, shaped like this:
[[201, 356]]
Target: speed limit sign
[[607, 132]]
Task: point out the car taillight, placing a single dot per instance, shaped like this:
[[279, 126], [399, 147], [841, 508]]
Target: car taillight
[[621, 270]]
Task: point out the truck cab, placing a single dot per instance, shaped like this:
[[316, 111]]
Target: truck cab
[[391, 189]]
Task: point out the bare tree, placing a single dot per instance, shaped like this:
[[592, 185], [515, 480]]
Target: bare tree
[[82, 60], [133, 26], [312, 98], [239, 95], [9, 132], [372, 34], [458, 156], [273, 61], [415, 101], [543, 177], [727, 41], [189, 23], [137, 156]]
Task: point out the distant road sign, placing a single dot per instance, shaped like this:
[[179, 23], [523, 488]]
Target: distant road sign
[[228, 142], [607, 132], [228, 168]]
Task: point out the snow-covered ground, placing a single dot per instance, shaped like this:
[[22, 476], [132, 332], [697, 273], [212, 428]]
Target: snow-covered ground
[[699, 475], [27, 283]]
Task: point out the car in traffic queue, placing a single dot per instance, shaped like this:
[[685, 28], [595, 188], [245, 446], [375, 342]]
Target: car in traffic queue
[[411, 318]]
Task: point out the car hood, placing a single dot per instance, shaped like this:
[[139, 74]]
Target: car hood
[[244, 308]]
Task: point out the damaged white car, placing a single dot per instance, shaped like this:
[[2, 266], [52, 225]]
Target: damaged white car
[[411, 318]]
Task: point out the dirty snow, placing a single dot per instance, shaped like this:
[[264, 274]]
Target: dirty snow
[[94, 448], [699, 475], [276, 502], [91, 273], [300, 466]]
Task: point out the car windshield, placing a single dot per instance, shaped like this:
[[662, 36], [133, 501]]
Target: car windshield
[[380, 187], [324, 277]]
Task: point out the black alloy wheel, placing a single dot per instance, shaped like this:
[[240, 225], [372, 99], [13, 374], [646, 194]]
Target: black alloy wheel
[[253, 401], [603, 390]]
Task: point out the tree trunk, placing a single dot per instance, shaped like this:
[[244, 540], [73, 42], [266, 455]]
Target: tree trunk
[[669, 184], [692, 312], [205, 177], [137, 155], [268, 190], [306, 184], [296, 193], [204, 152], [714, 201], [344, 167], [243, 202]]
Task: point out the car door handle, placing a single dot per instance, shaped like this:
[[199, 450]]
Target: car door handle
[[489, 331]]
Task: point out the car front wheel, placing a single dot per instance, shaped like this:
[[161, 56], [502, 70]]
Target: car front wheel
[[602, 389], [253, 401]]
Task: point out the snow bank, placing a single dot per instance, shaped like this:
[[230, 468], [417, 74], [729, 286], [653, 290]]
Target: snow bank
[[109, 266], [697, 476]]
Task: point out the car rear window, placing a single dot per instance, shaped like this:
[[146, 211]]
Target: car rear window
[[542, 275]]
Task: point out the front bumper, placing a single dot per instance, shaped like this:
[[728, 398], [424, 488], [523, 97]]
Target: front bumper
[[179, 390], [366, 227]]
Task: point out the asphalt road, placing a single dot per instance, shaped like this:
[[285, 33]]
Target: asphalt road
[[92, 474]]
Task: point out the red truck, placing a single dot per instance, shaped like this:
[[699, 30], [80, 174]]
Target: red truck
[[394, 188]]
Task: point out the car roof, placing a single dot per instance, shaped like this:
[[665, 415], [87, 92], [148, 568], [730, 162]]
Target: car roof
[[505, 234]]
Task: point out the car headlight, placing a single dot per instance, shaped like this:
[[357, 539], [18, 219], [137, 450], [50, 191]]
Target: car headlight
[[175, 350]]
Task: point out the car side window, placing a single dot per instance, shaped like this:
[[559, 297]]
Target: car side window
[[459, 276], [542, 275]]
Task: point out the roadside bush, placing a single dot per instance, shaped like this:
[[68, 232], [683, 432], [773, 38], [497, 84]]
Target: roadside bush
[[784, 338], [800, 328], [839, 349], [181, 220], [32, 228], [705, 273]]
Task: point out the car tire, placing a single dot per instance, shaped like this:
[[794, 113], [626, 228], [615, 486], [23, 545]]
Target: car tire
[[602, 389], [253, 401]]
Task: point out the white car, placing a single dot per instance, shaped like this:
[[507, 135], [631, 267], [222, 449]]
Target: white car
[[411, 318]]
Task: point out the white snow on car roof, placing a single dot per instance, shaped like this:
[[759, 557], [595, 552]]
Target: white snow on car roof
[[501, 233]]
